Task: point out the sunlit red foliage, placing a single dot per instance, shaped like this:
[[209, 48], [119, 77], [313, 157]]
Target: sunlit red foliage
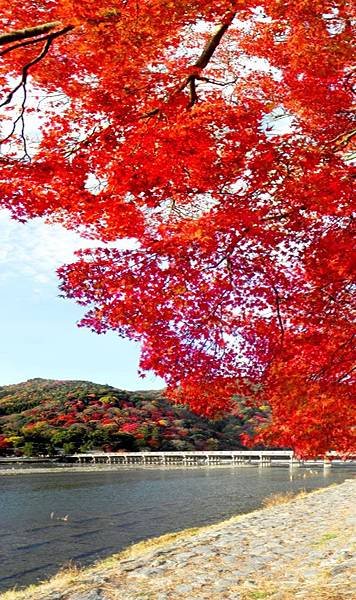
[[217, 136], [130, 427], [5, 443]]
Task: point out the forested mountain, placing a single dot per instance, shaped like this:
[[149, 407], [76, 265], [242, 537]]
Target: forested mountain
[[43, 416]]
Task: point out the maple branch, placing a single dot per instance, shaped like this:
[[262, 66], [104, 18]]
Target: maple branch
[[28, 32], [205, 58], [331, 364], [278, 305], [22, 84], [343, 139], [214, 82], [348, 78], [200, 64], [228, 252], [20, 119], [37, 40], [345, 375], [193, 92], [25, 71], [213, 43]]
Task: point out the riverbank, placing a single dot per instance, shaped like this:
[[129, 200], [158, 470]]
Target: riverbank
[[300, 549], [98, 468], [92, 468]]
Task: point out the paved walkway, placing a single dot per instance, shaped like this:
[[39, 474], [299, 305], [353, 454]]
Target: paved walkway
[[303, 549]]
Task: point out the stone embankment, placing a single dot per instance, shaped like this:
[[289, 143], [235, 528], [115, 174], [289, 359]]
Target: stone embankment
[[301, 549]]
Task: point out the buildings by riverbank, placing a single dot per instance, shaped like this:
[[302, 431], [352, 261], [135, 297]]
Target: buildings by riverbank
[[301, 549]]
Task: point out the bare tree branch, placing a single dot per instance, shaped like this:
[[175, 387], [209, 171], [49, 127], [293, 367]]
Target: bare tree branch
[[22, 85], [39, 57]]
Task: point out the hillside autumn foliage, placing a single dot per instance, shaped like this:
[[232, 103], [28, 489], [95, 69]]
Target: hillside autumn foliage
[[42, 416], [214, 139]]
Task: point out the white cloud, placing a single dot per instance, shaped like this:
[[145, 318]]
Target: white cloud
[[35, 249]]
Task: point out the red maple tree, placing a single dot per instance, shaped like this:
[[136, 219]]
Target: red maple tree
[[217, 136]]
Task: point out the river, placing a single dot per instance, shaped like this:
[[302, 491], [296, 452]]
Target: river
[[109, 510]]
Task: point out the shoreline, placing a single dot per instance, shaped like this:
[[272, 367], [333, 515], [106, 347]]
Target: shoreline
[[303, 545], [116, 468], [97, 468]]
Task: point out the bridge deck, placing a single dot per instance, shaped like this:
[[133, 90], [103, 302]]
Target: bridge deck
[[186, 458]]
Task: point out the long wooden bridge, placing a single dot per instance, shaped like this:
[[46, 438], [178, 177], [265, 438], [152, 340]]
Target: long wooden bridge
[[262, 458], [208, 458]]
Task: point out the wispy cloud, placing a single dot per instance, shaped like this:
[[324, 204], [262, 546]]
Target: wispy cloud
[[35, 249]]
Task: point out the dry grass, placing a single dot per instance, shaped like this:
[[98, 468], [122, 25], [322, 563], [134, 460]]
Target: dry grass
[[283, 498], [66, 577], [319, 591]]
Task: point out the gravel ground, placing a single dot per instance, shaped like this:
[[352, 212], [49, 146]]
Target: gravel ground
[[302, 549]]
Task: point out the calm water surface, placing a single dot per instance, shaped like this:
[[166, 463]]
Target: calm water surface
[[110, 510]]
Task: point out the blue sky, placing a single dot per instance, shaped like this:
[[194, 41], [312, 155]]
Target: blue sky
[[38, 332]]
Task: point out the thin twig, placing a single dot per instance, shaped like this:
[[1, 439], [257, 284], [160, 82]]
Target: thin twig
[[33, 62], [23, 81], [346, 374], [278, 308]]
